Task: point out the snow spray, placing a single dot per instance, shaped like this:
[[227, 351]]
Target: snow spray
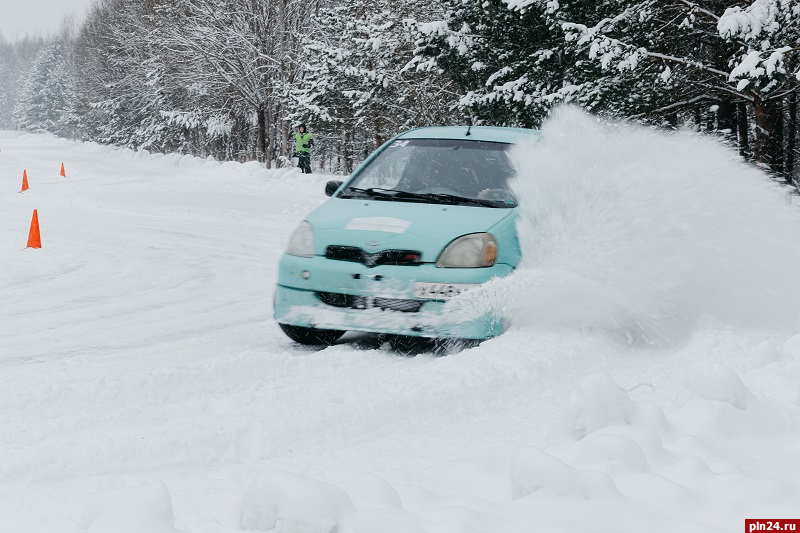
[[642, 232]]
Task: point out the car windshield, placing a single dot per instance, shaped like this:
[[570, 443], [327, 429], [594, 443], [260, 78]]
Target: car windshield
[[448, 171]]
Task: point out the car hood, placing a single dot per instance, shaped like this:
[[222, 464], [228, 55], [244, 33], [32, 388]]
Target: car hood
[[375, 225]]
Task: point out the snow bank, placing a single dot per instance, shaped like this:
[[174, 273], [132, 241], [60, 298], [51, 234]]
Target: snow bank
[[598, 402], [144, 509], [715, 381], [288, 503], [371, 491], [626, 465], [533, 470]]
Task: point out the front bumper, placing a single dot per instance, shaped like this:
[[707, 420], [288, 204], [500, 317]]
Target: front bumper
[[301, 301]]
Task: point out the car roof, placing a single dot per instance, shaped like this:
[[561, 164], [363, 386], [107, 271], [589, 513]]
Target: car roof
[[476, 133]]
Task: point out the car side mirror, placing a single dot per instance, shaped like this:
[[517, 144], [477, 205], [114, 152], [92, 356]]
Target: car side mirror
[[331, 187]]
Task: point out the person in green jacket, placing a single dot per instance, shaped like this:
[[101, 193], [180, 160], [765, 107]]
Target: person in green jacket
[[303, 142]]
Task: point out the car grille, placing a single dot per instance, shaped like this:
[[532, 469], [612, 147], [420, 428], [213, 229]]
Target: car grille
[[351, 301], [386, 257]]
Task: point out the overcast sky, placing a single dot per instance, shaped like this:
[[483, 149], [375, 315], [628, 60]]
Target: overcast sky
[[37, 17]]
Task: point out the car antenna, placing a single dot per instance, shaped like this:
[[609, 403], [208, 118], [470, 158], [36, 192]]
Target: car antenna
[[469, 128]]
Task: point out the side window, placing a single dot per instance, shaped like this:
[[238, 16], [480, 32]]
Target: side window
[[386, 171]]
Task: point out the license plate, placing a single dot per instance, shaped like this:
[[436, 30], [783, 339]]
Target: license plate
[[439, 291]]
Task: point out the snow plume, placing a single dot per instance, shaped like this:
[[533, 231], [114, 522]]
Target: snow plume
[[641, 233]]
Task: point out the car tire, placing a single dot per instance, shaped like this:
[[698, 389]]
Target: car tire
[[311, 336]]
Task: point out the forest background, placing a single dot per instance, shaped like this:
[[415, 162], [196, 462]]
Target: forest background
[[232, 78]]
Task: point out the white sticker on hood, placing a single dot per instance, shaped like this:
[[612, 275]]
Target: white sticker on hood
[[387, 224]]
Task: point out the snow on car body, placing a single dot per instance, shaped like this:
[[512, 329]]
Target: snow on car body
[[428, 215]]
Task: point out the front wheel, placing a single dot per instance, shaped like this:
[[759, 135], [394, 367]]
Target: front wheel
[[311, 336]]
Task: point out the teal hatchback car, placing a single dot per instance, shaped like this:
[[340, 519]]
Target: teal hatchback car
[[427, 216]]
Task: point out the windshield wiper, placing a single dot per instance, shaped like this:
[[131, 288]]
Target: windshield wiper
[[456, 199], [452, 199], [388, 194], [376, 191]]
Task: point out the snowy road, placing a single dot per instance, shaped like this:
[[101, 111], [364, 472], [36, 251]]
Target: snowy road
[[144, 387]]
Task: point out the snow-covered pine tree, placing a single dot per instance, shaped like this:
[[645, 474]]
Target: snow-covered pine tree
[[46, 102], [121, 75], [765, 64], [5, 99], [508, 58], [513, 62], [16, 59], [6, 83], [711, 51]]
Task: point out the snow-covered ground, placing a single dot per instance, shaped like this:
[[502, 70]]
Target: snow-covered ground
[[144, 387]]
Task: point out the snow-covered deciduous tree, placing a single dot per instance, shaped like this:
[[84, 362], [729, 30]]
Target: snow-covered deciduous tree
[[360, 74], [223, 57], [240, 58]]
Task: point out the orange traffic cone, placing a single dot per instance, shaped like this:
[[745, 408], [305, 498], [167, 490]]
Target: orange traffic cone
[[34, 240], [62, 170], [24, 181]]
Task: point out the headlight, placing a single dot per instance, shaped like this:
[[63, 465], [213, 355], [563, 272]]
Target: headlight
[[470, 251], [301, 243]]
